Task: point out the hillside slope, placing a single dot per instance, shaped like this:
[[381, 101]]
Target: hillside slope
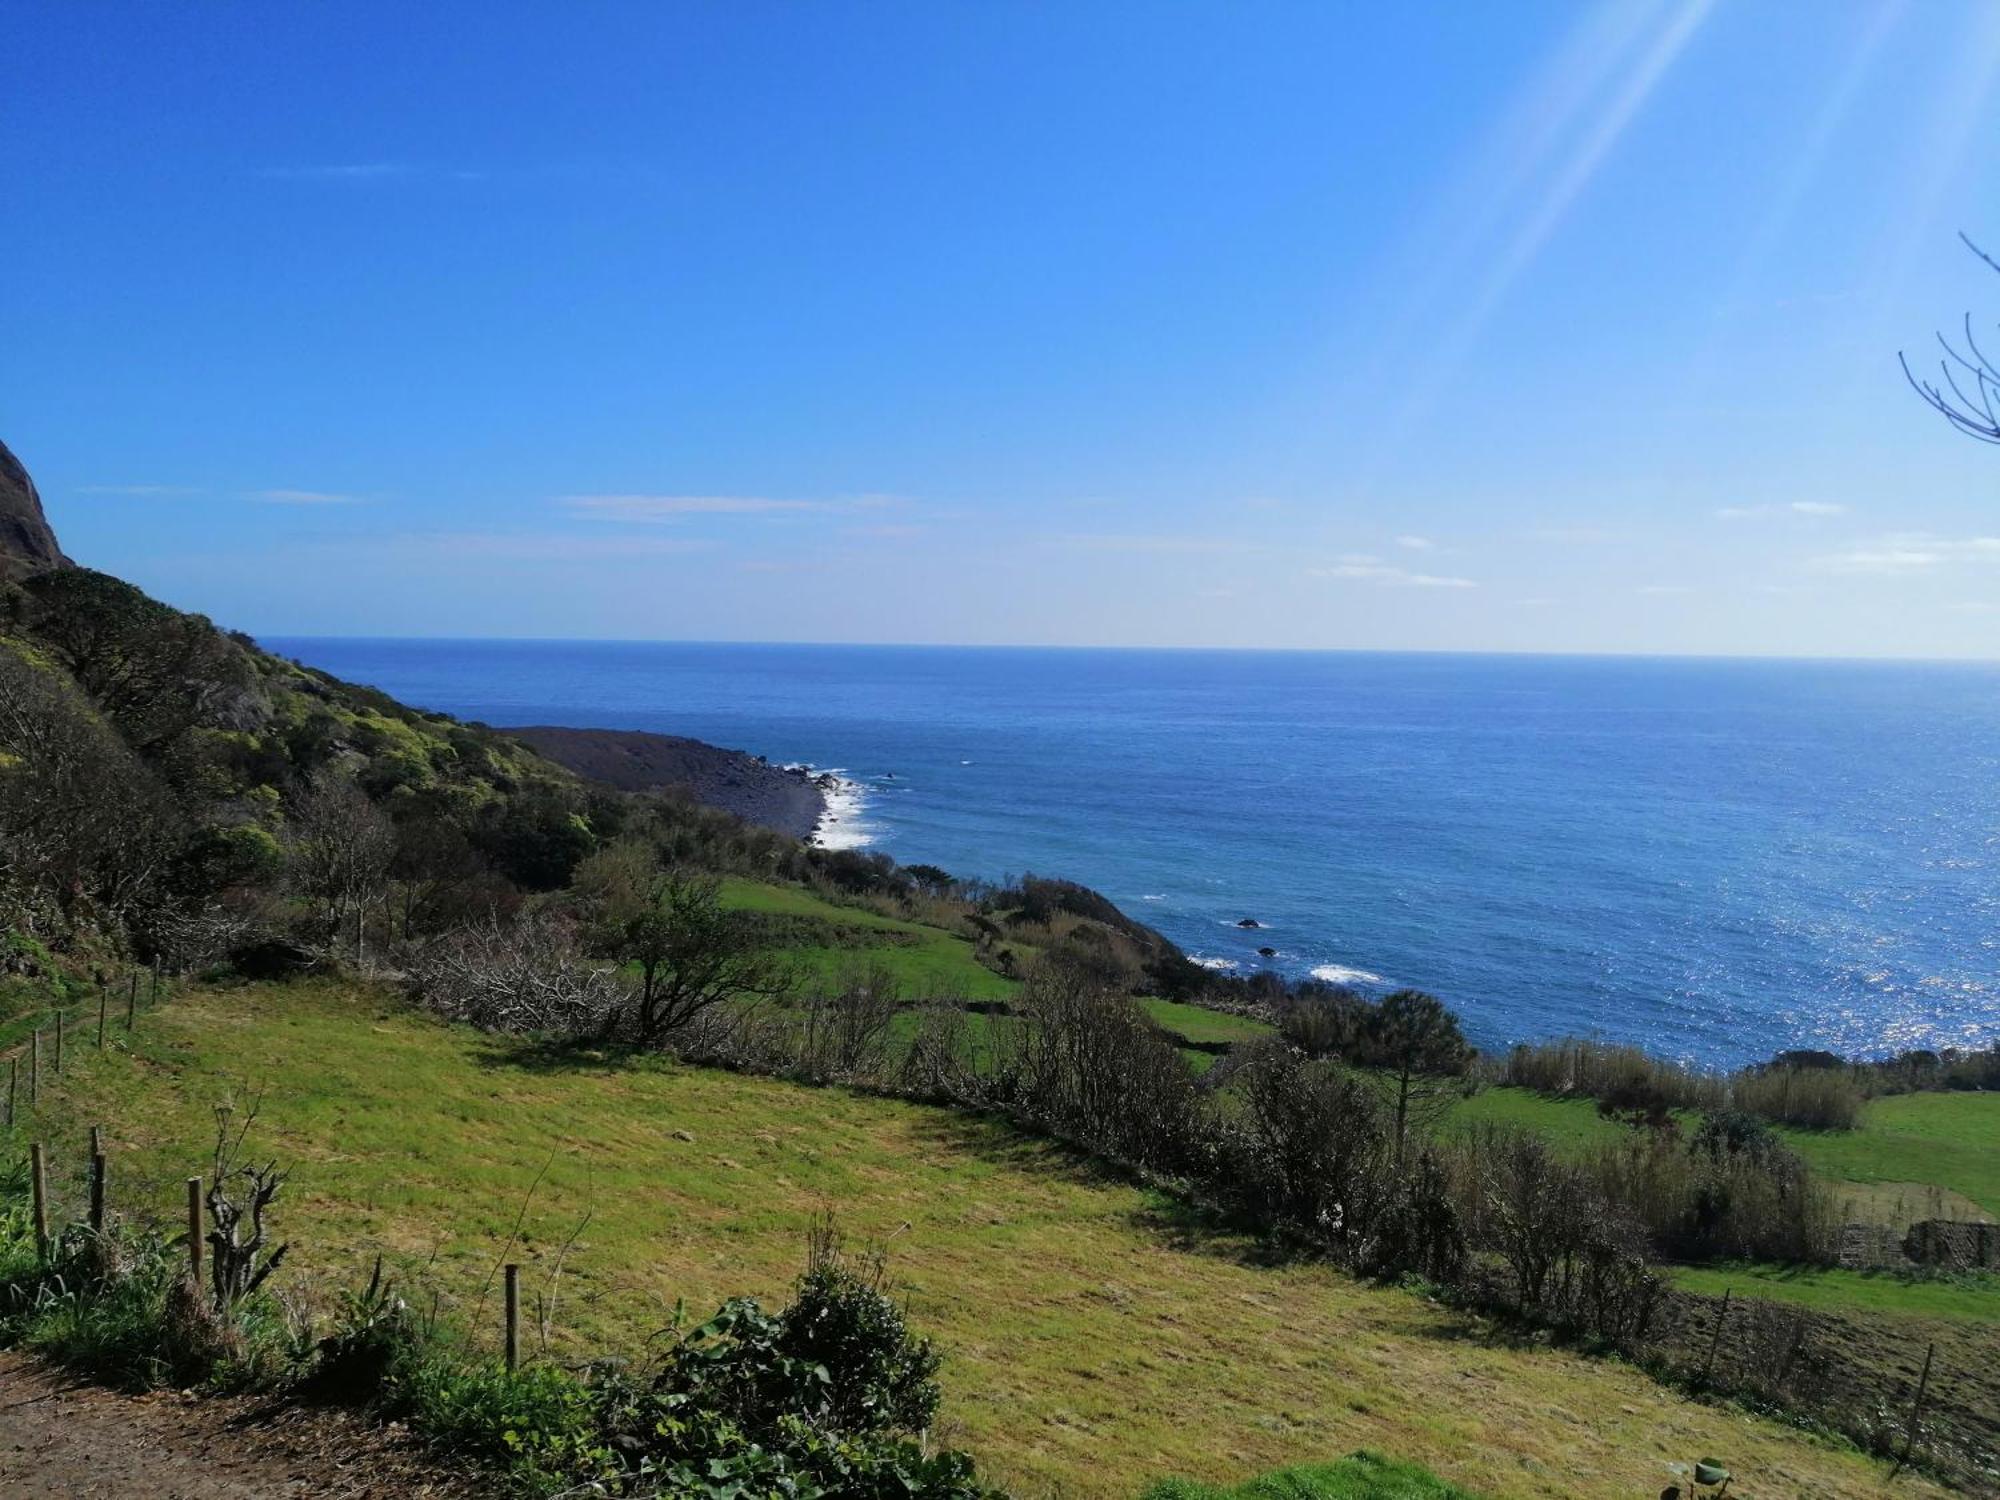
[[1096, 1338]]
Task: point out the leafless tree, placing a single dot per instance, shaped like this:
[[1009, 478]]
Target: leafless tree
[[340, 848], [845, 1033], [239, 1194], [83, 823], [524, 976], [1966, 392]]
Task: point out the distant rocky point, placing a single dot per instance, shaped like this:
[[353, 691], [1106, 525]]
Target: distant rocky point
[[788, 799], [27, 544]]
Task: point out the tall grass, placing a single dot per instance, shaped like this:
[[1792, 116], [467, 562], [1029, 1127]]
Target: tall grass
[[1815, 1098], [1622, 1078], [1617, 1077]]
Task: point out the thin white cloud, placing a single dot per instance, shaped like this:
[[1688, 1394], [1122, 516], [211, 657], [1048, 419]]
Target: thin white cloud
[[1367, 568], [658, 509], [1665, 589], [350, 171], [1196, 545], [1416, 543], [1795, 508], [1909, 552], [303, 497], [542, 546], [139, 491]]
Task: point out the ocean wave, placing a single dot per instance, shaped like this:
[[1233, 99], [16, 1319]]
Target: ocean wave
[[1218, 965], [1342, 974], [1152, 898], [841, 825]]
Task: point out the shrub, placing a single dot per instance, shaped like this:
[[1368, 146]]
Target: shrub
[[1817, 1098], [1323, 1020], [1621, 1078], [1733, 1191], [1086, 1064], [1576, 1257], [1313, 1150], [845, 1034], [525, 976]]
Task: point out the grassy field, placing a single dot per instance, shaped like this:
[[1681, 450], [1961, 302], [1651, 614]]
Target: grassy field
[[1363, 1476], [1914, 1155], [927, 960], [1972, 1299], [1095, 1341], [1572, 1123], [1191, 1023], [1951, 1141]]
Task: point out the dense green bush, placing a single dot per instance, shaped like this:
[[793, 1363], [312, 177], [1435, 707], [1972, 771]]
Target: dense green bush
[[830, 1397]]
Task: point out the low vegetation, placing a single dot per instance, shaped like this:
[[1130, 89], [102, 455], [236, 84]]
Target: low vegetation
[[1364, 1476], [1081, 1316]]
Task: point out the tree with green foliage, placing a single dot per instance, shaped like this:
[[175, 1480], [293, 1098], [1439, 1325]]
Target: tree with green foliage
[[692, 953], [1415, 1039]]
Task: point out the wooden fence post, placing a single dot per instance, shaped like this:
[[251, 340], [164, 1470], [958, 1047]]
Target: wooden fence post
[[1916, 1408], [34, 1066], [513, 1314], [13, 1081], [103, 1006], [1792, 1352], [153, 996], [59, 1036], [1721, 1316], [96, 1188], [38, 1170], [131, 1001], [194, 1227]]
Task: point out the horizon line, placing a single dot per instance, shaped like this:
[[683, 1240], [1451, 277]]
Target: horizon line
[[1445, 651]]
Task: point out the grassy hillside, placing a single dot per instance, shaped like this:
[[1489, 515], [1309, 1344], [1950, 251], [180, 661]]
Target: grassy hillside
[[827, 939], [1096, 1340], [1949, 1140], [1914, 1156]]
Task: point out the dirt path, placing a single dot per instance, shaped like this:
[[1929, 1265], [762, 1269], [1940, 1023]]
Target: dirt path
[[60, 1438]]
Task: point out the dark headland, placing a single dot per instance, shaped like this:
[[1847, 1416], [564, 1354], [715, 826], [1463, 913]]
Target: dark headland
[[791, 801]]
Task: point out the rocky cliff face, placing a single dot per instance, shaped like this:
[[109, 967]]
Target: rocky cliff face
[[27, 545]]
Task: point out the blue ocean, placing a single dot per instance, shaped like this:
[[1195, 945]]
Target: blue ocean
[[1715, 859]]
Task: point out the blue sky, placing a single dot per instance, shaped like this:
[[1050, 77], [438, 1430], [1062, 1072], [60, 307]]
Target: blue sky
[[1466, 326]]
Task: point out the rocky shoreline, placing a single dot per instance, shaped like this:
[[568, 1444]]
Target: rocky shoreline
[[788, 799]]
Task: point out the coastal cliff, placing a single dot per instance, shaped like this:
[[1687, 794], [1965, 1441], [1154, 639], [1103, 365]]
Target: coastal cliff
[[790, 800]]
